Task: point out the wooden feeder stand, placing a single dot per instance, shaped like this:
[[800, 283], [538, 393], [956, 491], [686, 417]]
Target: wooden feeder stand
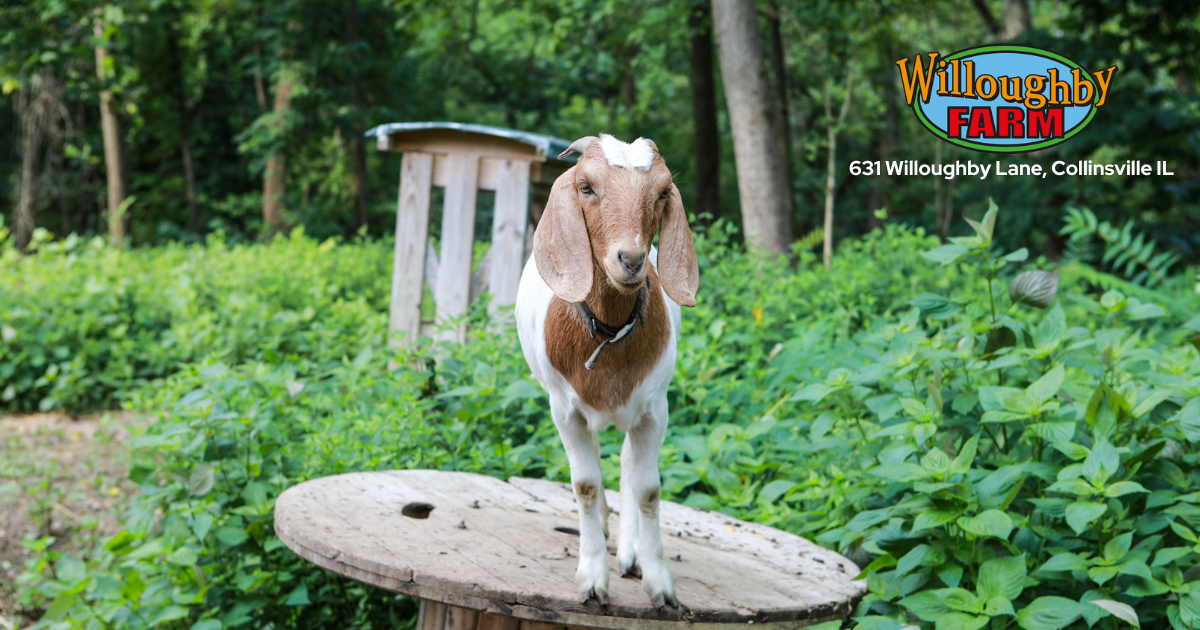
[[519, 167], [482, 554]]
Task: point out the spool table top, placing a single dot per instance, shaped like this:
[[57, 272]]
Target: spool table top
[[511, 549]]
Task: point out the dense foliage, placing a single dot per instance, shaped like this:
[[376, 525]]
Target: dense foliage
[[985, 460], [204, 73]]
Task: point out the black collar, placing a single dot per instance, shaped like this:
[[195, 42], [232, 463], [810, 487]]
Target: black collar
[[614, 334]]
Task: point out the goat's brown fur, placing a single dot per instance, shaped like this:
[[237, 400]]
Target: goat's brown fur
[[623, 365]]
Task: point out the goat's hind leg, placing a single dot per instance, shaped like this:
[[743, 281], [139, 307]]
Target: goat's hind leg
[[579, 442], [630, 524]]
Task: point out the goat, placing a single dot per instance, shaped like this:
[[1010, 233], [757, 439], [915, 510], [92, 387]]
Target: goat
[[593, 265]]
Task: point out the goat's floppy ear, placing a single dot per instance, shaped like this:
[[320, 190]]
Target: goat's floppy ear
[[579, 146], [677, 266], [561, 247]]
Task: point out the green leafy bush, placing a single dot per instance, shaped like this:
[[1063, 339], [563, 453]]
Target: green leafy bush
[[84, 324], [986, 461]]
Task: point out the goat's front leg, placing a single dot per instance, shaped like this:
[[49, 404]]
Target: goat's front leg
[[642, 494], [579, 442]]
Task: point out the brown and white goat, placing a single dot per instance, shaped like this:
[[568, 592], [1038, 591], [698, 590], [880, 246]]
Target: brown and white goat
[[598, 317]]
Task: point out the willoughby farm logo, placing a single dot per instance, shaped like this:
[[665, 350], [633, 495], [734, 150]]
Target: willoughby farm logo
[[1003, 99]]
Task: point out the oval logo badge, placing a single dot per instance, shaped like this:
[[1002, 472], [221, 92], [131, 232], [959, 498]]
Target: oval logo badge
[[1003, 99]]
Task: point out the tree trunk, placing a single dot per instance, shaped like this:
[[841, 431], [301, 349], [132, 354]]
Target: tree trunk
[[358, 152], [781, 99], [275, 175], [832, 127], [704, 114], [114, 150], [757, 144], [189, 176], [1017, 18], [29, 123]]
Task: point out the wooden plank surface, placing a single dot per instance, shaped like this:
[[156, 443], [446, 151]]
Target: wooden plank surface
[[453, 291], [412, 231], [492, 546], [508, 233]]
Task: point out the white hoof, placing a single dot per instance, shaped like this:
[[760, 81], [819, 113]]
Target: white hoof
[[592, 577], [659, 587]]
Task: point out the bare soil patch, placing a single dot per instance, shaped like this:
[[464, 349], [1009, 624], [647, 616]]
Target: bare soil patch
[[60, 477]]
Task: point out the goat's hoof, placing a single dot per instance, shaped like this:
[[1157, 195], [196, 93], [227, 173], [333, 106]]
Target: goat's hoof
[[632, 570], [659, 586], [600, 596]]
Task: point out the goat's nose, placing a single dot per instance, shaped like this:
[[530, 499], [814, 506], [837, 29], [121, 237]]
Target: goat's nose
[[633, 262]]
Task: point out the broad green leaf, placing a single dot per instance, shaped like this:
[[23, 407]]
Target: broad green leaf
[[1124, 612], [821, 426], [169, 613], [1002, 577], [1047, 386], [1065, 561], [1148, 404], [1189, 609], [900, 472], [778, 488], [1072, 450], [200, 482], [1078, 487], [1100, 575], [1054, 432], [184, 556], [813, 392], [298, 597], [992, 487], [1080, 514], [1102, 463], [1189, 420], [1116, 548], [966, 456], [1135, 567], [1049, 613], [961, 599], [912, 559], [1049, 333], [1122, 488], [989, 523], [926, 605], [1167, 555], [950, 575], [961, 621], [875, 622], [1000, 398], [945, 254], [932, 518], [60, 606], [997, 606]]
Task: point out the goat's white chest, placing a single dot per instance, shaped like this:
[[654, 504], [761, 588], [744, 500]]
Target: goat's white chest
[[534, 307]]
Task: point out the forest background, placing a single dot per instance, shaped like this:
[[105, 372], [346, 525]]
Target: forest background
[[248, 117]]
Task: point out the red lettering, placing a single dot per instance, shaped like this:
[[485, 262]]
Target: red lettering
[[981, 123], [1046, 123], [1009, 122], [955, 118]]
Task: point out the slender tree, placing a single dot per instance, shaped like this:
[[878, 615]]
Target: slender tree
[[757, 142], [704, 113], [1017, 18], [114, 142], [358, 150]]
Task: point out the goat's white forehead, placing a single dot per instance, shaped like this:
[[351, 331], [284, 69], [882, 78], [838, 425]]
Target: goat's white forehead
[[636, 155]]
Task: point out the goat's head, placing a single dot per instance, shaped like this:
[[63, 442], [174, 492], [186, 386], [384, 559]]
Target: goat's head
[[603, 214]]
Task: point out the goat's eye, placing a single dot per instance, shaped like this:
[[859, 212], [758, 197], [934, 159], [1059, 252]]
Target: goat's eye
[[585, 188], [665, 193]]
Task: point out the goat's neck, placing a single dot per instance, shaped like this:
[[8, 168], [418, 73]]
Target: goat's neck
[[607, 303]]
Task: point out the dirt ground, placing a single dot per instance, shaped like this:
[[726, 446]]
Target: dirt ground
[[59, 477]]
